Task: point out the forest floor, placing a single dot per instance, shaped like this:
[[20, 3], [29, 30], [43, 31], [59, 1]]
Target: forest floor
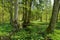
[[33, 33]]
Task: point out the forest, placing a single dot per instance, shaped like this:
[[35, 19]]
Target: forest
[[29, 20]]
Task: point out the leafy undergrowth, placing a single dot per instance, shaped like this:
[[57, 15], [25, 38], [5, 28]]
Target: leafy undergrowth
[[34, 32], [5, 29], [56, 35]]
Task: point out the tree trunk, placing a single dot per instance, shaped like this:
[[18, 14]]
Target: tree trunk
[[53, 20], [26, 13], [41, 17], [2, 11], [16, 10], [54, 17], [15, 23], [11, 12], [29, 11]]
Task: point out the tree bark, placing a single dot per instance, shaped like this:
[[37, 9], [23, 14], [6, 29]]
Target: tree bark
[[54, 17], [11, 12], [53, 20], [26, 13], [15, 23], [2, 11]]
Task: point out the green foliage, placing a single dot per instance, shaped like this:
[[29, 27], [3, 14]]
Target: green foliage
[[34, 32], [36, 29]]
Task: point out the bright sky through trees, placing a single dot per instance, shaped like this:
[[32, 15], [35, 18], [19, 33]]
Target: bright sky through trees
[[52, 1]]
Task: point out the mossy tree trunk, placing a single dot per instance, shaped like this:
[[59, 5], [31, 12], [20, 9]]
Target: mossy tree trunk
[[15, 20], [54, 17], [26, 12], [53, 20], [2, 11], [11, 11]]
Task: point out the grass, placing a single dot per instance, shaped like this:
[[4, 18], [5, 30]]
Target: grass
[[31, 34]]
